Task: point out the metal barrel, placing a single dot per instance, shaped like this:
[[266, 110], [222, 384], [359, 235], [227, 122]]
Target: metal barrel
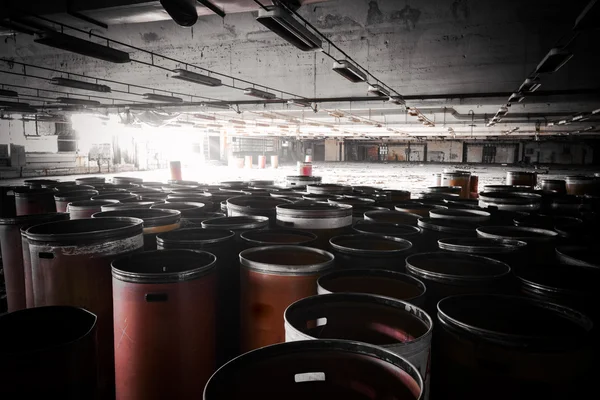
[[317, 369], [328, 189], [301, 180], [65, 187], [391, 196], [90, 180], [252, 205], [237, 224], [374, 281], [507, 188], [370, 251], [393, 217], [522, 178], [164, 323], [40, 183], [446, 274], [511, 201], [463, 215], [583, 185], [30, 201], [416, 207], [579, 256], [222, 244], [185, 208], [274, 237], [155, 221], [393, 324], [126, 180], [460, 179], [271, 279], [510, 347], [70, 265], [86, 208], [15, 272], [435, 229], [63, 199], [7, 201], [48, 352], [556, 185], [505, 250], [122, 197], [323, 219], [125, 206], [197, 220]]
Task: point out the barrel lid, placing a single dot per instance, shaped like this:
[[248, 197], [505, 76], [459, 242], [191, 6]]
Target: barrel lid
[[179, 206], [287, 193], [318, 197], [91, 179], [314, 210], [448, 226], [75, 195], [257, 203], [303, 178], [84, 204], [273, 237], [514, 321], [510, 197], [456, 267], [39, 182], [127, 179], [237, 223], [581, 256], [33, 219], [151, 218], [386, 229], [352, 201], [163, 266], [234, 183], [580, 178], [456, 173], [392, 217], [444, 189], [191, 236], [460, 214], [516, 232], [328, 188], [287, 260], [370, 245], [560, 279], [481, 245], [72, 188], [78, 231]]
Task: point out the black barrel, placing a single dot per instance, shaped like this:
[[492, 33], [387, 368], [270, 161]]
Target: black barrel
[[503, 347], [374, 281], [392, 217], [126, 180], [198, 218], [40, 183], [540, 242], [127, 206], [370, 251], [461, 215], [255, 206], [48, 353], [579, 256], [7, 201], [62, 199], [318, 370], [122, 197], [301, 180], [408, 232], [447, 274], [90, 180], [511, 201], [274, 237], [556, 185], [435, 229], [30, 201], [329, 189], [505, 250]]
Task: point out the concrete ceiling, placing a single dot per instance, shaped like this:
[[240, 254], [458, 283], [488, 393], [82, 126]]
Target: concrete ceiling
[[456, 61]]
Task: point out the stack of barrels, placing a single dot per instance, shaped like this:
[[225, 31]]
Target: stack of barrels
[[248, 289]]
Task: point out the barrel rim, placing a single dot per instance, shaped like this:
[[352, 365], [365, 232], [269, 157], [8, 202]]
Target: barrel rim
[[31, 218], [496, 246], [123, 275], [165, 238], [110, 196], [168, 217], [406, 245], [253, 222], [279, 269], [495, 232], [510, 198], [563, 253], [447, 226], [130, 227], [67, 196], [372, 272], [415, 230], [462, 214], [445, 277], [314, 210], [512, 340], [524, 173], [180, 204], [26, 191], [236, 203], [310, 237], [372, 214], [303, 346]]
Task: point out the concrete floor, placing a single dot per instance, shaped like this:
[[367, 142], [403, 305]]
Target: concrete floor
[[406, 176]]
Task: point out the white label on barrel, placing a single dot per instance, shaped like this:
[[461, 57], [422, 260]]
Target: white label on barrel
[[309, 376]]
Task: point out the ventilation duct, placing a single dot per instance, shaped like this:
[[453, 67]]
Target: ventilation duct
[[163, 98], [194, 77], [83, 47], [282, 23], [72, 83], [8, 93], [183, 12], [261, 94], [553, 61]]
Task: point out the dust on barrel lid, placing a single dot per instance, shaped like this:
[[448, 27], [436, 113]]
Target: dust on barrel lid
[[581, 256], [273, 237], [448, 226], [456, 267], [386, 229], [151, 218], [481, 245], [526, 234], [163, 266], [515, 321], [287, 260], [368, 245], [241, 222], [86, 230]]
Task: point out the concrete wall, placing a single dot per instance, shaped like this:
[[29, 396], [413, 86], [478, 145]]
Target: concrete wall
[[558, 153], [332, 150], [15, 131], [444, 151]]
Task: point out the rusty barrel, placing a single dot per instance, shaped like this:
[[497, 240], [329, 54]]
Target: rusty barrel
[[370, 251], [522, 178], [447, 274], [48, 352], [458, 178], [86, 208], [15, 271], [275, 237], [555, 185], [63, 199], [323, 219], [393, 324], [374, 281], [319, 370], [30, 201], [583, 185], [70, 265], [540, 242], [164, 323], [271, 279], [155, 221], [221, 243], [504, 347], [251, 205]]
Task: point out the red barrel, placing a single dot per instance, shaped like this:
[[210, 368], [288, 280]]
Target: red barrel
[[271, 279], [70, 265], [164, 324], [15, 272], [48, 353], [175, 168], [262, 162], [34, 201], [304, 168], [63, 199], [317, 370], [521, 178], [86, 208]]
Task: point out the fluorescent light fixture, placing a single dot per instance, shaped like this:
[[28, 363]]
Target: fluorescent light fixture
[[163, 98], [562, 122], [553, 61], [259, 93], [83, 47], [282, 23], [516, 98], [349, 71], [72, 83], [194, 77], [413, 112], [396, 100], [299, 103], [79, 102], [261, 124], [8, 93], [354, 119], [530, 85], [580, 117], [378, 90], [217, 106]]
